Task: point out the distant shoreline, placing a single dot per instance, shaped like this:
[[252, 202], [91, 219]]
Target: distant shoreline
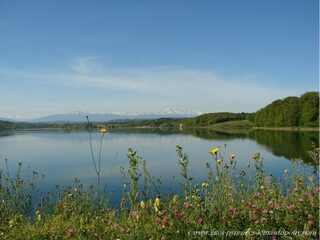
[[293, 129]]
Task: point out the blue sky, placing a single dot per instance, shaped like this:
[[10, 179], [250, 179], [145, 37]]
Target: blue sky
[[115, 56]]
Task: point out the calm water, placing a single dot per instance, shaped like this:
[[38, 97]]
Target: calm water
[[61, 156]]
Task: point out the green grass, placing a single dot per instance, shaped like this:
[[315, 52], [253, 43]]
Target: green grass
[[242, 124], [250, 201]]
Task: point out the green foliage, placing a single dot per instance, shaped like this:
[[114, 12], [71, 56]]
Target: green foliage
[[309, 104], [290, 112], [251, 202], [213, 118]]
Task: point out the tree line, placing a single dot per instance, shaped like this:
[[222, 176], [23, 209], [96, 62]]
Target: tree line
[[290, 112]]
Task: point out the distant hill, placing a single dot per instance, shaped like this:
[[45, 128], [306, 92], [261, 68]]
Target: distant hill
[[214, 118], [4, 125], [80, 117], [290, 112]]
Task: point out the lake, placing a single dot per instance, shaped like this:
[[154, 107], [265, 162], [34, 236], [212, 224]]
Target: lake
[[61, 156]]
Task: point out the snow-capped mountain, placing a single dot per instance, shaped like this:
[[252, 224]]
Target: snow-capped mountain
[[103, 116]]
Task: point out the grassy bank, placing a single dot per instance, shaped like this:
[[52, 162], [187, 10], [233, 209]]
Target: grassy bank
[[231, 200], [242, 124], [303, 129]]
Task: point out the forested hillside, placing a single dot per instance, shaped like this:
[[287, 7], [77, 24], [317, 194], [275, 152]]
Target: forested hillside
[[290, 112], [213, 118]]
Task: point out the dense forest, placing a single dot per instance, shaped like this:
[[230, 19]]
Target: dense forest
[[213, 118], [290, 112]]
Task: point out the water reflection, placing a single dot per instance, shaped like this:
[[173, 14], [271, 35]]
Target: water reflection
[[287, 144], [61, 156]]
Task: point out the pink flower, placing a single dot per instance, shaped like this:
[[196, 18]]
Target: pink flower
[[263, 220], [176, 214], [187, 205], [291, 207], [264, 211], [134, 214], [200, 220], [165, 221], [70, 231], [254, 217]]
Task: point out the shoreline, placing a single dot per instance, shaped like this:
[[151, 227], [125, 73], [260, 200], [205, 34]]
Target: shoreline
[[292, 129]]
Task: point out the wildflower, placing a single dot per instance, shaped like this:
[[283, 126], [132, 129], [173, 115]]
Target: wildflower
[[142, 204], [165, 221], [262, 187], [310, 223], [254, 217], [214, 151], [157, 204], [264, 211], [70, 231], [195, 197], [70, 195], [263, 220], [176, 213], [134, 214], [175, 198], [219, 161], [11, 223], [103, 130], [286, 171], [187, 205], [95, 235], [200, 220], [247, 232], [232, 155], [291, 207], [256, 156], [205, 184]]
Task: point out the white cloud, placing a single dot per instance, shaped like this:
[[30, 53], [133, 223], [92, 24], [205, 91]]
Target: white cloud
[[145, 89], [88, 64]]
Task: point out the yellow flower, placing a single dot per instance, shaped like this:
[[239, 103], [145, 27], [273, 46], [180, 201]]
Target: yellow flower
[[214, 151], [232, 155], [157, 204], [248, 232], [103, 130], [256, 156], [262, 187], [219, 161], [142, 205], [205, 184]]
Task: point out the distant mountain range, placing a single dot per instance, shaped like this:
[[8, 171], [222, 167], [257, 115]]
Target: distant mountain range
[[78, 117]]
